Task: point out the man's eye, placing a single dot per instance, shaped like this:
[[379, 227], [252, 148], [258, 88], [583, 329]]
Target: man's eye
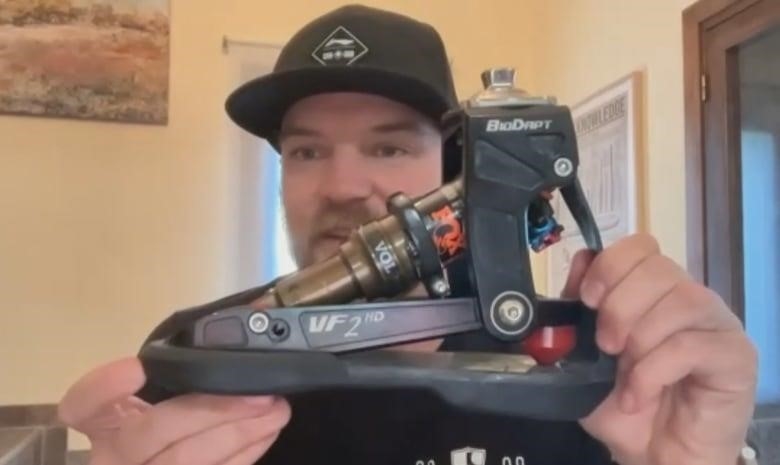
[[304, 154], [389, 151]]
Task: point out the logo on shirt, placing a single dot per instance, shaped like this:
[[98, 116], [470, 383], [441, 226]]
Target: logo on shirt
[[341, 47], [468, 456]]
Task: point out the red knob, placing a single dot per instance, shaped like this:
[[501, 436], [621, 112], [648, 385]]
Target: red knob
[[550, 344]]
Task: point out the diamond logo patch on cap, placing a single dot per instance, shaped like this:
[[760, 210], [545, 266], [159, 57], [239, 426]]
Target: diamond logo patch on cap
[[341, 47]]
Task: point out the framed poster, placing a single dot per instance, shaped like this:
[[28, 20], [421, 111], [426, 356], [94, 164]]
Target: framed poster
[[608, 127], [102, 60]]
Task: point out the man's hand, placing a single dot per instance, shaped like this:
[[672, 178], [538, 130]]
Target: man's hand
[[686, 369], [191, 430]]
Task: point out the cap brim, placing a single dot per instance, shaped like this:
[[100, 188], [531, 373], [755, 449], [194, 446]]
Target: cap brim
[[259, 105]]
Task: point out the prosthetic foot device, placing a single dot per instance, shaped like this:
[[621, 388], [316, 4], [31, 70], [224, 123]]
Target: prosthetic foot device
[[332, 325]]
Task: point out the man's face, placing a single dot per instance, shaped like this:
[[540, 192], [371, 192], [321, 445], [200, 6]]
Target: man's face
[[343, 155]]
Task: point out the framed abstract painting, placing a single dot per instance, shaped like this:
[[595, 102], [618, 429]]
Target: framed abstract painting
[[85, 59]]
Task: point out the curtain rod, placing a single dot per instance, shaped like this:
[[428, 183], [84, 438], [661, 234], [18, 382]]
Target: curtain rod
[[227, 42]]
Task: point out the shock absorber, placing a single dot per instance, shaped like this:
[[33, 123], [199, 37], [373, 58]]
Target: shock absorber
[[386, 257], [412, 244]]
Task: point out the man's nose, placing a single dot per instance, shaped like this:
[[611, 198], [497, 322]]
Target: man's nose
[[344, 179]]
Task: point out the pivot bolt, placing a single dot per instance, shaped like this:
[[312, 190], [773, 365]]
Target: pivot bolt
[[258, 322], [440, 287], [511, 311], [563, 167], [280, 331]]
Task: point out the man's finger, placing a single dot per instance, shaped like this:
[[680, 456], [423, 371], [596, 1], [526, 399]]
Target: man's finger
[[255, 452], [636, 295], [613, 264], [703, 355], [579, 266], [227, 441], [143, 437], [97, 391], [688, 306]]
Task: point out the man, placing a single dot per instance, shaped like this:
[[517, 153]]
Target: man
[[353, 107]]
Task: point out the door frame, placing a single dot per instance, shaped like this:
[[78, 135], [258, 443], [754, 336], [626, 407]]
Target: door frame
[[713, 231]]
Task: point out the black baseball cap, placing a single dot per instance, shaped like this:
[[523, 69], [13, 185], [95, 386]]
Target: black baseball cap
[[351, 49]]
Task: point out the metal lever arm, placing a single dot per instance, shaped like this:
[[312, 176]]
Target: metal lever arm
[[235, 352]]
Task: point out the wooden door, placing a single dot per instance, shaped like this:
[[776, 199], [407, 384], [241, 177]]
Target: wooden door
[[732, 65]]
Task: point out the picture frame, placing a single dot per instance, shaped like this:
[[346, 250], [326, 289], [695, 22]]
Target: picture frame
[[96, 60], [609, 128]]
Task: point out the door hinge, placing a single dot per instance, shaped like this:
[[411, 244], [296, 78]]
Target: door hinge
[[704, 87]]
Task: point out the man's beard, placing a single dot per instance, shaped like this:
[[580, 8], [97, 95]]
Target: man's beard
[[333, 223]]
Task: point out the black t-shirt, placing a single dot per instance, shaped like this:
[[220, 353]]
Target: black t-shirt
[[398, 427], [405, 428]]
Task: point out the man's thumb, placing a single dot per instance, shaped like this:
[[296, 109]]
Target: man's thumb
[[97, 392]]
